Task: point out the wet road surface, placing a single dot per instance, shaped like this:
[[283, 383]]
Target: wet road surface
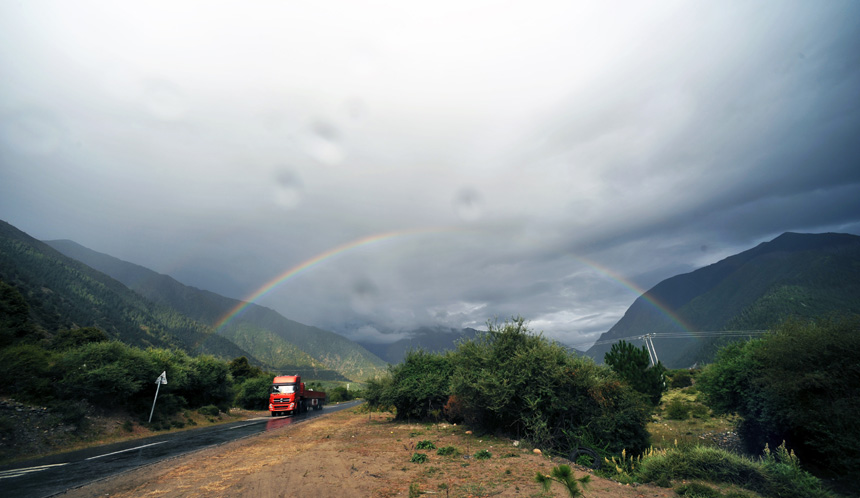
[[55, 474]]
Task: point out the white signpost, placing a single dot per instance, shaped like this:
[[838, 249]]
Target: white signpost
[[162, 379]]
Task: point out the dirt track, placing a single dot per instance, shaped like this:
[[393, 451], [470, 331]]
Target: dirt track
[[346, 455]]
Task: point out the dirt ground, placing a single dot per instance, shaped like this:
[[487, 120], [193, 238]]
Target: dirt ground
[[351, 454]]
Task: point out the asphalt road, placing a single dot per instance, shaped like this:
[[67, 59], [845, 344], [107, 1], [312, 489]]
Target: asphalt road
[[56, 474]]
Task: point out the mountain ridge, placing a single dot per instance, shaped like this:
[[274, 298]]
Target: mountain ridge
[[277, 342], [753, 289], [63, 293]]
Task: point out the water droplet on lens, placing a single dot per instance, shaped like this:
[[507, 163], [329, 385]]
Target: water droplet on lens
[[363, 295], [288, 189], [468, 204], [323, 143]]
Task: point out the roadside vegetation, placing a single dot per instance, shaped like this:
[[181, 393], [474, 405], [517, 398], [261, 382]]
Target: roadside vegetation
[[735, 428]]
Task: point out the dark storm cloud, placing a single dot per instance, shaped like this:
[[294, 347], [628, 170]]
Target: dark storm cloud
[[554, 174]]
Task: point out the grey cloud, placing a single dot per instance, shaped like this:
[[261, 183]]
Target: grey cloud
[[504, 164]]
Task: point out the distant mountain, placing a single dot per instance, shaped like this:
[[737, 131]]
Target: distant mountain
[[430, 339], [794, 275], [278, 343], [63, 293]]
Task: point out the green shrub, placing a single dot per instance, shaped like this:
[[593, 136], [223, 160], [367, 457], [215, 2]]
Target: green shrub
[[425, 445], [483, 455], [418, 458], [775, 475], [447, 450], [680, 378], [677, 410], [698, 410], [253, 393], [800, 384], [110, 374], [209, 410], [26, 373], [419, 385], [513, 381], [696, 490]]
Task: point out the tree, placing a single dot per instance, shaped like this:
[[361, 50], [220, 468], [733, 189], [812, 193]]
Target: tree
[[800, 384], [419, 385], [632, 364], [241, 369]]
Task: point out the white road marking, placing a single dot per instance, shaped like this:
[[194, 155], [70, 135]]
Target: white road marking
[[6, 474], [236, 427], [123, 451]]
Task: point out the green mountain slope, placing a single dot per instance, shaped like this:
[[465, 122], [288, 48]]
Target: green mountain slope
[[794, 275], [276, 342], [63, 293]]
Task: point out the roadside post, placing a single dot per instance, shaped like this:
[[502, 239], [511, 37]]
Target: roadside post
[[162, 379]]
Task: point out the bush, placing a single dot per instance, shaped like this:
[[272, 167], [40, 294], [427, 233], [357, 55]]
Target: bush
[[425, 445], [209, 410], [483, 455], [26, 373], [110, 374], [680, 378], [419, 385], [801, 384], [418, 458], [699, 411], [513, 381], [253, 393], [447, 450], [774, 475], [677, 410]]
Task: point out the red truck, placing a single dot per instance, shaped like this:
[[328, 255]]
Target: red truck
[[289, 395]]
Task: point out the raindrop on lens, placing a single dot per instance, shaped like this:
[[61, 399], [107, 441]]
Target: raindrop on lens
[[363, 295], [324, 143], [468, 204], [289, 190]]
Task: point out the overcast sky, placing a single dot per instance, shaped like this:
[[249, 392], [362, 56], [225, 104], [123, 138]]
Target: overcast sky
[[544, 159]]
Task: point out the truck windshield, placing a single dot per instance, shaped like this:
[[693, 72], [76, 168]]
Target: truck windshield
[[283, 388]]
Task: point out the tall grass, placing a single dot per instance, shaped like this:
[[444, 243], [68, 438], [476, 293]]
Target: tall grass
[[776, 474]]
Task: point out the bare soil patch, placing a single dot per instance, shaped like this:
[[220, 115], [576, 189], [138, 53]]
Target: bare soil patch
[[349, 454]]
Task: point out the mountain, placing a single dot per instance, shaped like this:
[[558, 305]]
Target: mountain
[[63, 293], [430, 339], [279, 344], [794, 275]]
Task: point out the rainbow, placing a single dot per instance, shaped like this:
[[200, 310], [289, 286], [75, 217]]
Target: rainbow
[[295, 270], [639, 291], [307, 264]]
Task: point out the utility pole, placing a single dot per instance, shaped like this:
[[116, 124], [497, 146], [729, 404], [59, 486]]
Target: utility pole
[[652, 351]]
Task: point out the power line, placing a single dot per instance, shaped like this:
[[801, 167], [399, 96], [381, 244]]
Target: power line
[[679, 335]]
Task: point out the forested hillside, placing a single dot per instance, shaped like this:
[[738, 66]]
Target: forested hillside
[[794, 275], [63, 293], [278, 343]]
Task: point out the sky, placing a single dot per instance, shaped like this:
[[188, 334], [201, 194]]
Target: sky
[[372, 167]]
